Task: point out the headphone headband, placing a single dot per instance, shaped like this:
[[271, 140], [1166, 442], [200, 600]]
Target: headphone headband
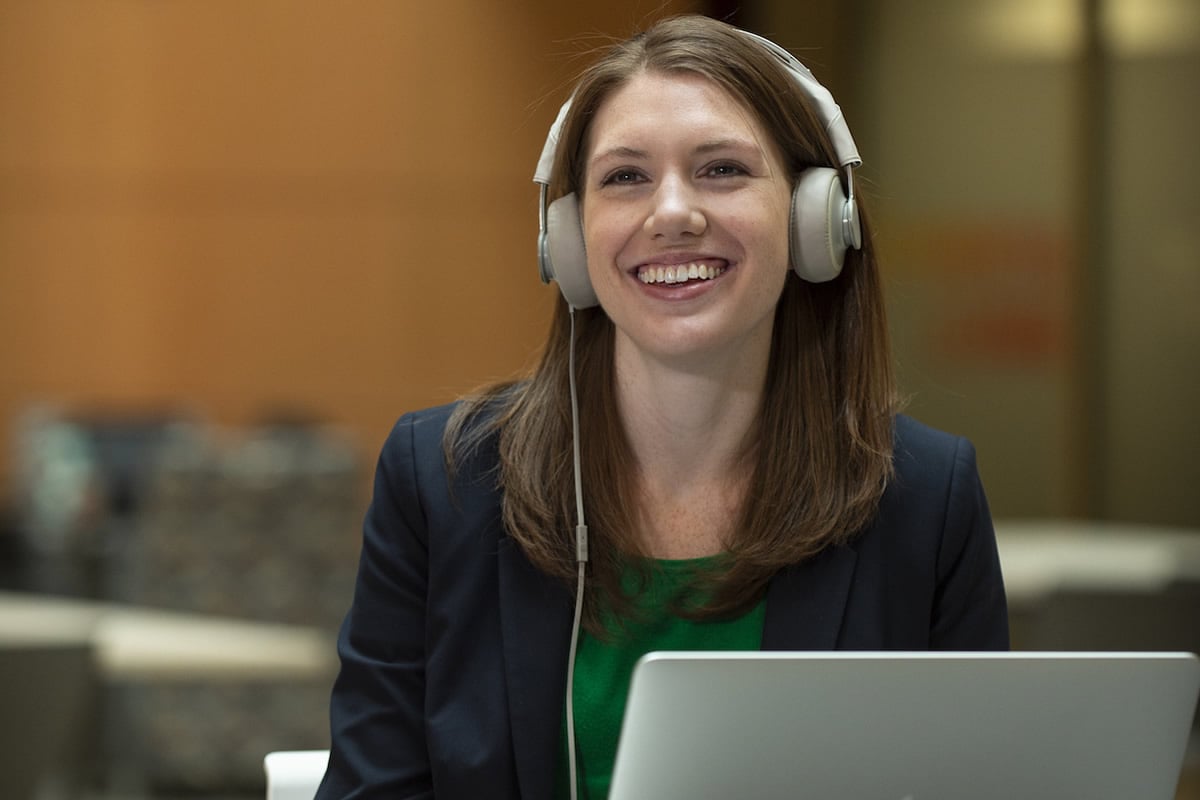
[[545, 165], [827, 108]]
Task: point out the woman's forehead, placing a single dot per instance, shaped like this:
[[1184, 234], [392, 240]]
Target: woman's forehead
[[657, 106]]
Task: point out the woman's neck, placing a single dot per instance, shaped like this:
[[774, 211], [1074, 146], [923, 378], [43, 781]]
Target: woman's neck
[[688, 426]]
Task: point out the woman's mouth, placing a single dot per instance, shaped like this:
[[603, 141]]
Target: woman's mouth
[[679, 273]]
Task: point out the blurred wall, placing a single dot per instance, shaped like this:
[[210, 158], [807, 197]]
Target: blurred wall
[[1150, 240], [972, 146], [1029, 165], [237, 208]]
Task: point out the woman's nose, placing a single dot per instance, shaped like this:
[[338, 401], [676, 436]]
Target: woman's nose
[[675, 211]]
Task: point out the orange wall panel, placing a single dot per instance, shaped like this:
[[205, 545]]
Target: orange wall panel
[[233, 207]]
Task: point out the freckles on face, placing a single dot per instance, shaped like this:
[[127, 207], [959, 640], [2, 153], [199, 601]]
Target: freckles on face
[[685, 205]]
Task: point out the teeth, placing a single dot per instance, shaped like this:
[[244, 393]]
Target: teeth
[[679, 274]]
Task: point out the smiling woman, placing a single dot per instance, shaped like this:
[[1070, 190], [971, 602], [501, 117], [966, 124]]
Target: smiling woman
[[716, 392]]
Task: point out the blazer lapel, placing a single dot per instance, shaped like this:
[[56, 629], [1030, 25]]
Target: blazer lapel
[[805, 606], [806, 602], [535, 619]]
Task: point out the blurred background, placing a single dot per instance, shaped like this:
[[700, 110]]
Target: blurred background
[[238, 239]]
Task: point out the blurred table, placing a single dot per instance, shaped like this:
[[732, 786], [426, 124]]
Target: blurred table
[[1101, 586], [133, 643], [1042, 557]]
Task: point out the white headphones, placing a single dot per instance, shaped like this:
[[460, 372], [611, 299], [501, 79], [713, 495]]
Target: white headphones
[[824, 219]]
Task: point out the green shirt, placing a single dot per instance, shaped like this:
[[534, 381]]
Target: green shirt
[[603, 668]]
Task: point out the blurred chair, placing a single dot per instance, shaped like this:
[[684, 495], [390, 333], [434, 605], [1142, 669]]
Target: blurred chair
[[294, 774], [47, 691], [259, 524], [78, 481]]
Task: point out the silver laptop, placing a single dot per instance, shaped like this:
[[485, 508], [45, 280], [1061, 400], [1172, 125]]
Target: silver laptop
[[906, 726]]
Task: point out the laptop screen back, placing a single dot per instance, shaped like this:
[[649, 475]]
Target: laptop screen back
[[906, 726]]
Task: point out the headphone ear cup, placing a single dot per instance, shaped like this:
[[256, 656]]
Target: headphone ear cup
[[566, 253], [818, 232]]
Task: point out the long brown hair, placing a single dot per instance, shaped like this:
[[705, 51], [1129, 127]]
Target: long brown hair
[[821, 452]]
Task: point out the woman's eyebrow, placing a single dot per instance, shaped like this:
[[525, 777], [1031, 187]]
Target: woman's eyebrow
[[621, 151], [727, 144]]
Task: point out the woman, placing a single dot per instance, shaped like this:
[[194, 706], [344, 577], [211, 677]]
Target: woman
[[746, 478]]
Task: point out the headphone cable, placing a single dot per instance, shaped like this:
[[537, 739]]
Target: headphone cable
[[581, 557]]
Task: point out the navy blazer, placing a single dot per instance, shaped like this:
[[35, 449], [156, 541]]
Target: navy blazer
[[454, 651]]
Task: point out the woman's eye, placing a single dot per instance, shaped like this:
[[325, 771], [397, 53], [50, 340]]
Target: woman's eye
[[725, 170], [622, 176]]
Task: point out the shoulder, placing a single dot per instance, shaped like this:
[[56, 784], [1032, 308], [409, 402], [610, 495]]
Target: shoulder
[[418, 450], [927, 459], [933, 505], [936, 483], [932, 545], [442, 505], [916, 443], [422, 428], [426, 430], [465, 424], [415, 440]]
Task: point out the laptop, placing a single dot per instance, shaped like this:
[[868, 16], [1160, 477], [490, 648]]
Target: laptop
[[906, 726]]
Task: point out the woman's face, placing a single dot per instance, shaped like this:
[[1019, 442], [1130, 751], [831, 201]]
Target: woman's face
[[685, 209]]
